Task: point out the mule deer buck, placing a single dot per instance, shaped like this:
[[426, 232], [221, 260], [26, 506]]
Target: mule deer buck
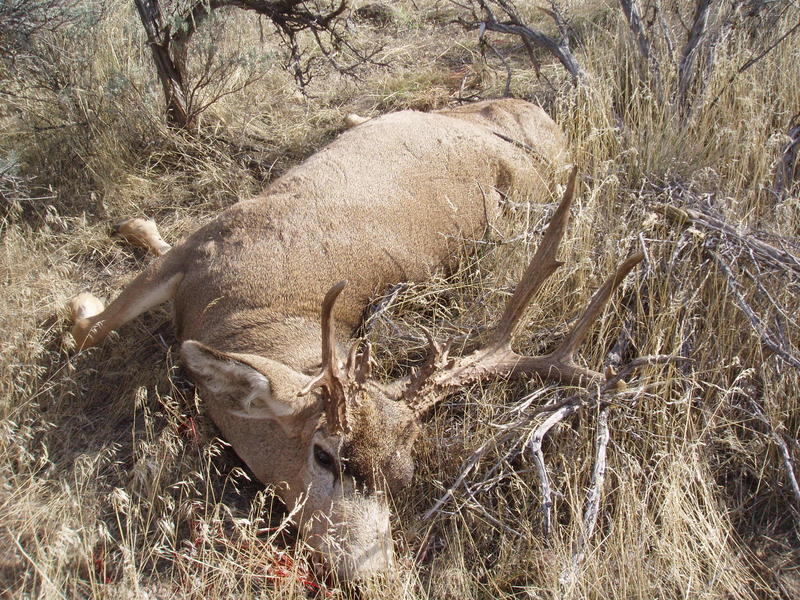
[[380, 205]]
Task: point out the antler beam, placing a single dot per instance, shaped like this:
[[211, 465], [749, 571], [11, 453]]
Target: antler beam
[[441, 375]]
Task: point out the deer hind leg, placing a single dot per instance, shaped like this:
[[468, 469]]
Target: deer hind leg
[[157, 284], [143, 233]]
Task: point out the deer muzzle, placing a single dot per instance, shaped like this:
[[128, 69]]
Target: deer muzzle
[[358, 541]]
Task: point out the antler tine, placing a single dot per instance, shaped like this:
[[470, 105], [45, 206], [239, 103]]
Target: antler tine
[[542, 265], [329, 377], [359, 366], [496, 359], [328, 336], [567, 347]]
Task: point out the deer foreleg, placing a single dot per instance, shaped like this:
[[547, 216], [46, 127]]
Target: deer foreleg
[[157, 284]]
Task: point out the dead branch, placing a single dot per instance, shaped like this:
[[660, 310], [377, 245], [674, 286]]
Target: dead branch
[[592, 505], [767, 338], [169, 72], [466, 467], [757, 57], [749, 63], [23, 20], [169, 37], [535, 445], [758, 413], [788, 464], [631, 10], [691, 216], [520, 429], [485, 43], [726, 247], [686, 68], [513, 24]]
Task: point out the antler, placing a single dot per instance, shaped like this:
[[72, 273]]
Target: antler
[[440, 375], [329, 377], [336, 383]]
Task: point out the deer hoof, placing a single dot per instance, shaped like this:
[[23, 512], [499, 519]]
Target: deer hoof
[[85, 305], [82, 308], [136, 231], [143, 233]]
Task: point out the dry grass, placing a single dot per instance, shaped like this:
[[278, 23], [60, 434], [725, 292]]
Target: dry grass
[[112, 484]]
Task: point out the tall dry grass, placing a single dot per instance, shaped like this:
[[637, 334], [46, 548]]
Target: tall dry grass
[[113, 484]]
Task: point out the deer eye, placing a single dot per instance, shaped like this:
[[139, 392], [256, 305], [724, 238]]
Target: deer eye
[[323, 459]]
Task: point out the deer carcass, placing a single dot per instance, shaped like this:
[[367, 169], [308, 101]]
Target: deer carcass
[[385, 202]]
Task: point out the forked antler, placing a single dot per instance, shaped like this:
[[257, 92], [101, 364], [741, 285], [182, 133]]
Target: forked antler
[[337, 384], [441, 375]]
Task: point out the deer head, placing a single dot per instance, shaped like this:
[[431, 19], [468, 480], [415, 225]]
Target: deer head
[[341, 441]]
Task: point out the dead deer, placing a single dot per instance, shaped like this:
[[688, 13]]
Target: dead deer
[[380, 205]]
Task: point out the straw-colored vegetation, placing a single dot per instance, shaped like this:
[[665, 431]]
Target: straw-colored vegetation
[[112, 483]]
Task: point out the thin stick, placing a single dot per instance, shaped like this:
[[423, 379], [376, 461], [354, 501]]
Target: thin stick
[[592, 506], [466, 467], [535, 446], [755, 321], [788, 463], [776, 256]]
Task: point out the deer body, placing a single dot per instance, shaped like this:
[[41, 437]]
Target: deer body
[[386, 202]]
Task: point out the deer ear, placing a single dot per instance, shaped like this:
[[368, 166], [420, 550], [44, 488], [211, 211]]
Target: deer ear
[[247, 386]]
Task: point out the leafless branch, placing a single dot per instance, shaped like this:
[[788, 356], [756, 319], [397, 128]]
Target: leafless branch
[[778, 257], [592, 505], [520, 428], [632, 14], [535, 446], [485, 43], [188, 94], [788, 464], [757, 412], [23, 20], [686, 68], [767, 337], [486, 19]]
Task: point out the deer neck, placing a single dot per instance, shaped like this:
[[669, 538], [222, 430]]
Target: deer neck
[[294, 341]]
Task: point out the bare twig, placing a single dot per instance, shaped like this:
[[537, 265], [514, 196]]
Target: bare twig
[[558, 411], [631, 10], [535, 445], [729, 248], [788, 461], [775, 256], [734, 286], [592, 506], [686, 69], [513, 24], [749, 63], [754, 60], [466, 467], [788, 464], [487, 44]]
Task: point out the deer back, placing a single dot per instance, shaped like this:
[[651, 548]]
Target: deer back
[[386, 202]]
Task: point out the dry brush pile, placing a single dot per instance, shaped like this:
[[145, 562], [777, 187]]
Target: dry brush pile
[[681, 485]]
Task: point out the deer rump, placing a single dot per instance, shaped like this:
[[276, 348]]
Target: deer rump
[[386, 202]]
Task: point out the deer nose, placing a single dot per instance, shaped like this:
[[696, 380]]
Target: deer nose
[[362, 546]]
